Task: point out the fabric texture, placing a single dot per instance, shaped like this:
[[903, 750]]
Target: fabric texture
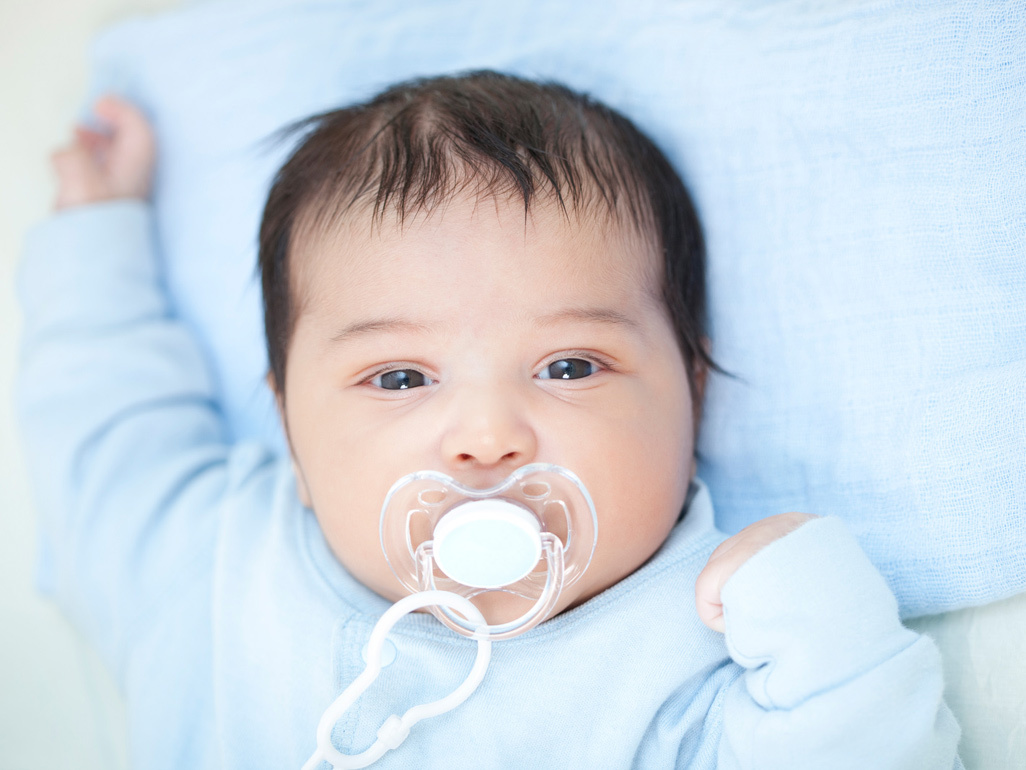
[[858, 170], [189, 561]]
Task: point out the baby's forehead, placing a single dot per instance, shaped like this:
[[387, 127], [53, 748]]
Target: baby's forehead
[[341, 246]]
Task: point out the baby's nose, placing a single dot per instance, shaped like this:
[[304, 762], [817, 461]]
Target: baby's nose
[[488, 431]]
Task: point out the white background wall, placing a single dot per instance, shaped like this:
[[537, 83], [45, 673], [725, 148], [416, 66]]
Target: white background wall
[[58, 707]]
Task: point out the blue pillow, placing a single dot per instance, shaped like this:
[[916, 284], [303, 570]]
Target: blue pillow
[[861, 175]]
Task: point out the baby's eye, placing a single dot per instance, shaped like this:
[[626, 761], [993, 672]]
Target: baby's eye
[[568, 369], [400, 379]]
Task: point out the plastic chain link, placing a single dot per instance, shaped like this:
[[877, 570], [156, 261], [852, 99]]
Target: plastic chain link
[[395, 729]]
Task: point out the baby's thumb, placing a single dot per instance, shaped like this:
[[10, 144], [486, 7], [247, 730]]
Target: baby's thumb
[[78, 179], [722, 564], [129, 125], [131, 150]]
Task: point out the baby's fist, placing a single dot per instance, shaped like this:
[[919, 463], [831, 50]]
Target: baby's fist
[[731, 554], [100, 166]]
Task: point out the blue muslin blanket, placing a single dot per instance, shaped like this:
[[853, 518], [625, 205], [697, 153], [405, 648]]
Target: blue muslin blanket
[[860, 170]]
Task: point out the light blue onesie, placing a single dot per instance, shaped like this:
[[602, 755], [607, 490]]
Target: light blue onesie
[[230, 626]]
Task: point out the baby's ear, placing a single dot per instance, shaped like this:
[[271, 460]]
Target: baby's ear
[[302, 491], [301, 488], [279, 402], [699, 376], [702, 368]]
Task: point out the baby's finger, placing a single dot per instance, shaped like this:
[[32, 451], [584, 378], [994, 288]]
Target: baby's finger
[[731, 554], [710, 582], [723, 547], [92, 140], [79, 180], [71, 160], [112, 109], [128, 123], [723, 563], [129, 158]]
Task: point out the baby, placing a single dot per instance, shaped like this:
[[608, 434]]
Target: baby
[[465, 275]]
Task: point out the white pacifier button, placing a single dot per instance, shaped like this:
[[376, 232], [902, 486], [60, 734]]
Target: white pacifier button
[[487, 543]]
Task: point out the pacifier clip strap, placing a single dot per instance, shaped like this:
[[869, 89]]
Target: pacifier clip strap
[[395, 729]]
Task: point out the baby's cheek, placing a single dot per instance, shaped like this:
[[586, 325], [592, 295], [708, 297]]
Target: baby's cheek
[[648, 485], [355, 543], [635, 517], [348, 494]]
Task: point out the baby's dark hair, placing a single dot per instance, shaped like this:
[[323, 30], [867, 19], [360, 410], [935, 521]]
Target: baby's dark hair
[[423, 142]]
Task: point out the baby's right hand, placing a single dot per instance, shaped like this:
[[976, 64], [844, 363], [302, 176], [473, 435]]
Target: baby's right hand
[[734, 552], [101, 166]]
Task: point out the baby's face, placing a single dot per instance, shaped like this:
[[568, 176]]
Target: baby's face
[[473, 342]]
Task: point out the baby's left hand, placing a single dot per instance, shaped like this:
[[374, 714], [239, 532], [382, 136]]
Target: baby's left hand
[[731, 554], [98, 166]]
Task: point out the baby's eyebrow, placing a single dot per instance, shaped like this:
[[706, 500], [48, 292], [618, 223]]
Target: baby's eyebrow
[[393, 325], [591, 315], [404, 325]]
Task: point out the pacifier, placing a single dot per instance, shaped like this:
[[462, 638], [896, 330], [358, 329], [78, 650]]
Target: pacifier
[[531, 536]]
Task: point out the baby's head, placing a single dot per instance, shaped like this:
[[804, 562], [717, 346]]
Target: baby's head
[[469, 274]]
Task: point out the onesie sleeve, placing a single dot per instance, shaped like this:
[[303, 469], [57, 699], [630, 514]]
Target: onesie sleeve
[[832, 677], [125, 444]]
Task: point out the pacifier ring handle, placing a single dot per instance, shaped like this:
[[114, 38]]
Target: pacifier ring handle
[[395, 729]]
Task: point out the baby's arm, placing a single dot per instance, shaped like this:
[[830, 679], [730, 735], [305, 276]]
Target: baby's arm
[[833, 679], [123, 436]]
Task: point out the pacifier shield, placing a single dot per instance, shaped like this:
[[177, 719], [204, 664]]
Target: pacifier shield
[[526, 538], [487, 543]]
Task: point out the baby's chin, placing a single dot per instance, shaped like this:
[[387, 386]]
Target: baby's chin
[[499, 607]]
